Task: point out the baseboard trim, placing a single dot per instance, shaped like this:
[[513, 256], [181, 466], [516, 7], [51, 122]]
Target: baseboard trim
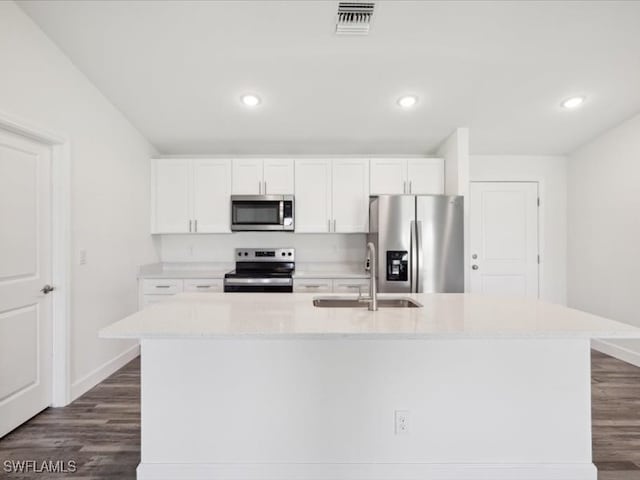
[[366, 471], [86, 383], [617, 351]]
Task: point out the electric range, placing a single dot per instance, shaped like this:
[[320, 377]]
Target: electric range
[[262, 270]]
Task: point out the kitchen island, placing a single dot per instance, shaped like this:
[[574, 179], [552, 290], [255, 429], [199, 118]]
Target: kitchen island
[[267, 386]]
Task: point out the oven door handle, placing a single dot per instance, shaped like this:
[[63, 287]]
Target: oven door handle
[[258, 281]]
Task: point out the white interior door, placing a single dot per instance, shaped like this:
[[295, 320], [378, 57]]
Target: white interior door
[[211, 195], [504, 238], [25, 267]]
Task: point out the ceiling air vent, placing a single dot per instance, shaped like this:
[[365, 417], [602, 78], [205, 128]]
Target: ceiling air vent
[[354, 18]]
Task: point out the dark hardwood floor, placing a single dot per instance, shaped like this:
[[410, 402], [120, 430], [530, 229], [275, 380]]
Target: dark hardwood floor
[[101, 430]]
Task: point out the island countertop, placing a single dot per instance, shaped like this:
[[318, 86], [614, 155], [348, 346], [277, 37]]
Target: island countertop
[[287, 315]]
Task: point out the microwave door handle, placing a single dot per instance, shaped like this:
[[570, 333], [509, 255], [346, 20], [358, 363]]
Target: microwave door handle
[[281, 211]]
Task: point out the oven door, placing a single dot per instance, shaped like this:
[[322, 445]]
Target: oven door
[[257, 212]]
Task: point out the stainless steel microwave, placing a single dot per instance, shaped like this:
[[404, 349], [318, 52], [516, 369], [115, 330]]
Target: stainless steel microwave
[[262, 212]]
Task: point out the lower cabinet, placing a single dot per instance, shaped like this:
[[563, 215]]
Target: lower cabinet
[[331, 285], [154, 290]]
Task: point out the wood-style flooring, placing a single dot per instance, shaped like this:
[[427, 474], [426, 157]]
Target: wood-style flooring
[[101, 430]]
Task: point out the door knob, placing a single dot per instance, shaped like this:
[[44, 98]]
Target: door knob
[[474, 267], [47, 289]]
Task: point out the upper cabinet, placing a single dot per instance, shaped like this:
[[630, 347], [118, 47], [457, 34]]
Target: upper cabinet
[[350, 195], [258, 176], [313, 197], [332, 195], [407, 175], [190, 195]]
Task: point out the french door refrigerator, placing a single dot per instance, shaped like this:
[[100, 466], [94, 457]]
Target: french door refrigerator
[[419, 242]]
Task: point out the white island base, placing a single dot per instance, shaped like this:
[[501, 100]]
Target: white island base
[[314, 409]]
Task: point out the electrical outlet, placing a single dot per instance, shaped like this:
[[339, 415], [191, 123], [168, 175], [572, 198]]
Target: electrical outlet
[[402, 422], [82, 257]]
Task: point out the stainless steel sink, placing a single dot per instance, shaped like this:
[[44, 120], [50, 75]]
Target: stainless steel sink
[[348, 302]]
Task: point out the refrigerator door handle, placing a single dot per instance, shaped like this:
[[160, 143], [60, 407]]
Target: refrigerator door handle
[[413, 261], [419, 262]]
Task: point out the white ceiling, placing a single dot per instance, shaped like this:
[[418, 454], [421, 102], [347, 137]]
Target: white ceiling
[[177, 70]]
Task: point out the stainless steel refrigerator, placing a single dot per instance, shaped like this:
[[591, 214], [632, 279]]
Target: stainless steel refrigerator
[[419, 242]]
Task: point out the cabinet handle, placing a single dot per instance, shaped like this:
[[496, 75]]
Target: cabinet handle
[[195, 228], [311, 286], [265, 187], [189, 226], [404, 187], [203, 286], [334, 225], [410, 187], [163, 286], [259, 187], [328, 225]]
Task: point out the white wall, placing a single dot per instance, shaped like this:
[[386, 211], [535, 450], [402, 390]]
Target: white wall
[[455, 151], [551, 173], [604, 227], [109, 185], [219, 248]]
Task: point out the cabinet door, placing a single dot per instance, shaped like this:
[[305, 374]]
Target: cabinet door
[[313, 195], [425, 176], [247, 176], [350, 198], [278, 176], [388, 176], [204, 285], [170, 195], [211, 195], [312, 285], [351, 285]]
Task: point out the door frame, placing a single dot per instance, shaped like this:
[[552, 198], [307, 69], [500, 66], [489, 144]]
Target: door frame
[[60, 249], [540, 219]]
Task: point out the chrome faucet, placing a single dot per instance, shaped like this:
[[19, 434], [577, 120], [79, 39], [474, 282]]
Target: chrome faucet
[[372, 267]]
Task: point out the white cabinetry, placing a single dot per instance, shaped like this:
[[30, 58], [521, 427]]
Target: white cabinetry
[[170, 195], [313, 285], [407, 175], [153, 290], [263, 176], [190, 195], [331, 285], [332, 195], [350, 195]]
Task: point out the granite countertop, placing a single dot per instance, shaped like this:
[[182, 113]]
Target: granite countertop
[[292, 315]]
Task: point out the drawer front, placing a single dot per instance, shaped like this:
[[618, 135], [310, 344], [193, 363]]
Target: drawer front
[[203, 285], [351, 285], [151, 299], [167, 286], [312, 285]]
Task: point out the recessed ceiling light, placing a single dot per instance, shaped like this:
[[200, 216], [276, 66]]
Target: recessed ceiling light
[[573, 102], [408, 101], [250, 100]]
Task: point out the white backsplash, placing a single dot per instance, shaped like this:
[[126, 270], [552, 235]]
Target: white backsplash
[[219, 247]]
